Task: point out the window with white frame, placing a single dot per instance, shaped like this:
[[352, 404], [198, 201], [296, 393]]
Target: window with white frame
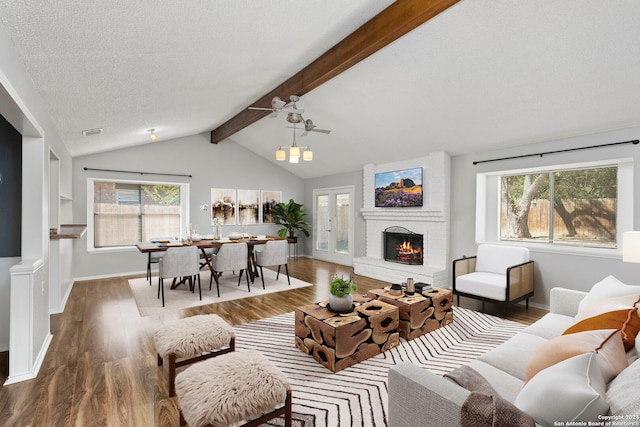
[[585, 205], [126, 212]]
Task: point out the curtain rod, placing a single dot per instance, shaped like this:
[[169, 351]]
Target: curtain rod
[[139, 173], [635, 142]]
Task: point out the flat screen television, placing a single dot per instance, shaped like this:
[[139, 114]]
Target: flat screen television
[[399, 189]]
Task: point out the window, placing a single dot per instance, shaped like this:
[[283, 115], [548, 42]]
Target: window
[[125, 213], [577, 208]]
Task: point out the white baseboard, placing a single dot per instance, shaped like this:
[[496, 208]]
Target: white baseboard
[[29, 375]]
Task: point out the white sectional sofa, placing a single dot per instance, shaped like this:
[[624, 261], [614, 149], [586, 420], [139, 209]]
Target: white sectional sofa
[[570, 389]]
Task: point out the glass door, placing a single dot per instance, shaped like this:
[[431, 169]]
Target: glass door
[[333, 225]]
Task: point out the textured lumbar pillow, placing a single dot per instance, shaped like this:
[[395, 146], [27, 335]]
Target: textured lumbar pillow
[[606, 342], [572, 390], [607, 288]]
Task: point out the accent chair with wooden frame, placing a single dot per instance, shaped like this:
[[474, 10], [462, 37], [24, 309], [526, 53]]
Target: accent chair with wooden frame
[[498, 273]]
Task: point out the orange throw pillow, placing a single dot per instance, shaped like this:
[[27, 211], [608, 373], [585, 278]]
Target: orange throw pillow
[[626, 320]]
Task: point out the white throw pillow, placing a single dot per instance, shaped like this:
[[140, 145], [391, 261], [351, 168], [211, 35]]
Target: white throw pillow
[[571, 390], [607, 288]]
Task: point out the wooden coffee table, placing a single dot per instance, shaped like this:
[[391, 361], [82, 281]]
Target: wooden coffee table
[[338, 341], [419, 313]]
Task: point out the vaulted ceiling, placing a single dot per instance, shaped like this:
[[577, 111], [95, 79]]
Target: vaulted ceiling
[[483, 74]]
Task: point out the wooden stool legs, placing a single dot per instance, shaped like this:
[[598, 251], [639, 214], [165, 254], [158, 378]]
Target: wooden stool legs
[[284, 410], [174, 364]]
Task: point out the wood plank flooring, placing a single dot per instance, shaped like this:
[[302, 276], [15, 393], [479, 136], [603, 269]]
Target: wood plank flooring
[[101, 370]]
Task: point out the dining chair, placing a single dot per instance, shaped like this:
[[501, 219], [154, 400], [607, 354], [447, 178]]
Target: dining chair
[[154, 257], [274, 253], [230, 257], [180, 262]]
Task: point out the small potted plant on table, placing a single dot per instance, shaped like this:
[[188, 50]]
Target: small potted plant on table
[[340, 298]]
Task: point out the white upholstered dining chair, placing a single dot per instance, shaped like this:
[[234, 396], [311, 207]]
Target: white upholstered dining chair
[[274, 253], [181, 262], [154, 257], [230, 257]]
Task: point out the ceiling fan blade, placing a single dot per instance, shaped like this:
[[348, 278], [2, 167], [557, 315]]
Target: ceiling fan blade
[[320, 130], [260, 108], [305, 133]]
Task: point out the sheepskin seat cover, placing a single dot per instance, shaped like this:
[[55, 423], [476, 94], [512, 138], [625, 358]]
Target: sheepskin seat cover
[[227, 389], [193, 335]]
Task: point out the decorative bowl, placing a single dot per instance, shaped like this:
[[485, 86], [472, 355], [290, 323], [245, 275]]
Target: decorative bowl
[[235, 235], [196, 237]]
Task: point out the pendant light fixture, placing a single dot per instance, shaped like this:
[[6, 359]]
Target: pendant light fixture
[[152, 134], [294, 151]]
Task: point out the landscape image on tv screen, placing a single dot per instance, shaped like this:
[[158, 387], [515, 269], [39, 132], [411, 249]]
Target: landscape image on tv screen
[[399, 189]]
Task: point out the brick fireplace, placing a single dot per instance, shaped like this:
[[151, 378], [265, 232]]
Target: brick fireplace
[[430, 221]]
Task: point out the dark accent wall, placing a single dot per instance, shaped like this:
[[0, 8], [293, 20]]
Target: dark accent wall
[[10, 189]]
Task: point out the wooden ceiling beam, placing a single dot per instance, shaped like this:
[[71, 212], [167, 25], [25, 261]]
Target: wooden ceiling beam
[[389, 25]]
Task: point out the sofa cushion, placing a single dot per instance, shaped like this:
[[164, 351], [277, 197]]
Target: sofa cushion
[[622, 391], [483, 284], [550, 325], [607, 288], [576, 382], [497, 258], [606, 342], [507, 386], [513, 355]]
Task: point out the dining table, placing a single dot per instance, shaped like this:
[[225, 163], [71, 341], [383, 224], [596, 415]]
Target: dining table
[[208, 243]]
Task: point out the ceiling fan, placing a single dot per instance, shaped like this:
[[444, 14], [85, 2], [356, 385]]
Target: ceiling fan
[[310, 127], [277, 105], [308, 124]]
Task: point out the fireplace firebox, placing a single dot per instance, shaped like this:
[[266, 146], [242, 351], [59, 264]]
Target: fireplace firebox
[[403, 246]]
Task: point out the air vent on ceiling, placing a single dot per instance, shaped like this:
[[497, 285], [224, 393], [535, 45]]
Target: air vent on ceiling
[[92, 132]]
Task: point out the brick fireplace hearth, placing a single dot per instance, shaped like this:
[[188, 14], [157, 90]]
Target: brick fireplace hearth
[[430, 220]]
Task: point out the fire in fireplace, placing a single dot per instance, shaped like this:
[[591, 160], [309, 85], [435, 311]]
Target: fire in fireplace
[[403, 246]]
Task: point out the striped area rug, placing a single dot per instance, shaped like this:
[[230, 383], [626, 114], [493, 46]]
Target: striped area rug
[[357, 396]]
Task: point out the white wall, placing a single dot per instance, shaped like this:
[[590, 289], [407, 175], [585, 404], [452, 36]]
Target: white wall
[[552, 269], [223, 165], [22, 106]]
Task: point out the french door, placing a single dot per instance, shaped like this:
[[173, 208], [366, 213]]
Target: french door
[[333, 224]]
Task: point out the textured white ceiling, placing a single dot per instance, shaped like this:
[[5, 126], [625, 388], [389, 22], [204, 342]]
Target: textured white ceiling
[[482, 75]]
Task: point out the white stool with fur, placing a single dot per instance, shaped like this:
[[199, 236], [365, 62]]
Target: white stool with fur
[[192, 339], [243, 387]]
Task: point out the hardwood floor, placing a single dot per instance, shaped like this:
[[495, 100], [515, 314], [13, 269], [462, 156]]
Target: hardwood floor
[[101, 370]]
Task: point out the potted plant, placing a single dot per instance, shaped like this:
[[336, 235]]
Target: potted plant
[[292, 216], [340, 298]]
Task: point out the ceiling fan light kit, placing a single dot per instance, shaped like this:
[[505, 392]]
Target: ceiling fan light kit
[[294, 116]]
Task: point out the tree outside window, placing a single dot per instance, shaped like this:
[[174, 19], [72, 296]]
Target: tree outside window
[[127, 213], [573, 207]]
